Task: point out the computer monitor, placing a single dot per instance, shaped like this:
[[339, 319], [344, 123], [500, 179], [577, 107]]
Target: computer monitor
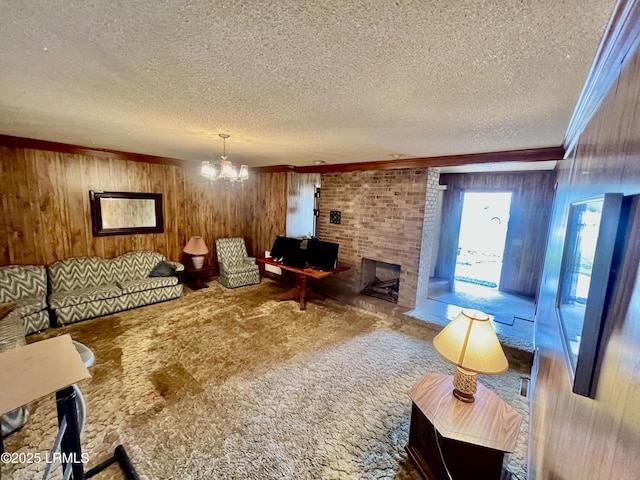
[[283, 245], [322, 255], [295, 258]]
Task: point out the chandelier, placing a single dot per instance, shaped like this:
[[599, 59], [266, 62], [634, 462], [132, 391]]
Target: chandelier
[[223, 169]]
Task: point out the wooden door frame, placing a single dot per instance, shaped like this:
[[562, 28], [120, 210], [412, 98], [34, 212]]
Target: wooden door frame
[[452, 205]]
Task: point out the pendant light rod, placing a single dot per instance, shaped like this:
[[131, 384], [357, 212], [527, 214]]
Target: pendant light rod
[[224, 137]]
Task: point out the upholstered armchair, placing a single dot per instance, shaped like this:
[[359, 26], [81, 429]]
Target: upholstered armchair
[[237, 269]]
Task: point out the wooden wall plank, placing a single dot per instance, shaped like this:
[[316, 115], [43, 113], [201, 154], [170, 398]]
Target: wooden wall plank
[[60, 213], [606, 428], [94, 182], [22, 238], [49, 228], [6, 203], [74, 206], [265, 211]]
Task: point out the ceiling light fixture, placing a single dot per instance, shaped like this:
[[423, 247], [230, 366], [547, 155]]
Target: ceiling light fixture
[[223, 169]]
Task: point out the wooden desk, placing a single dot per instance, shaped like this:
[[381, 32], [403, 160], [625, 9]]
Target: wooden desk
[[473, 436], [301, 293]]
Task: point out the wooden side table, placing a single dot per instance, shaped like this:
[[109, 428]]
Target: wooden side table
[[195, 278], [473, 437]]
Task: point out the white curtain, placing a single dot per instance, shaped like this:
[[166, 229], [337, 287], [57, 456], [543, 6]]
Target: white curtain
[[300, 203]]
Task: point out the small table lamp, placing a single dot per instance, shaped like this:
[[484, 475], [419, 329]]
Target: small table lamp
[[196, 246], [470, 343]]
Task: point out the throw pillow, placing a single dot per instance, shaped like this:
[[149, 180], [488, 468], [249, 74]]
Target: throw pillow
[[163, 269]]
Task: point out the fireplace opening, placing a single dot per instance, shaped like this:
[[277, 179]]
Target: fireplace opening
[[380, 280]]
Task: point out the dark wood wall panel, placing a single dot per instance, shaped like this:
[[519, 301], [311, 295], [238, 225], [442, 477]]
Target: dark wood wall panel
[[46, 212], [265, 211], [529, 220], [572, 436]]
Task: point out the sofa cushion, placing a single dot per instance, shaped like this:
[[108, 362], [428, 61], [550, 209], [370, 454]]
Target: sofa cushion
[[135, 265], [242, 266], [163, 269], [79, 273], [12, 336], [75, 297], [11, 331], [31, 305], [22, 281], [143, 284]]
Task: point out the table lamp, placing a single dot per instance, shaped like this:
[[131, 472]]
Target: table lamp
[[471, 344], [196, 247]]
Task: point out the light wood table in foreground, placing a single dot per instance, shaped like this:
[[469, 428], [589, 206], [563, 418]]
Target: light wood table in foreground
[[473, 437]]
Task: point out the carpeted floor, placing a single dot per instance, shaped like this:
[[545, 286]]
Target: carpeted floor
[[225, 384]]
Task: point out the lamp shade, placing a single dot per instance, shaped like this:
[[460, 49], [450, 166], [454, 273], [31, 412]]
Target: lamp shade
[[244, 173], [196, 246], [470, 342]]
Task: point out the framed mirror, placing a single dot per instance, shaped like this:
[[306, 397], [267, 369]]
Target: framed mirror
[[125, 213], [584, 280]]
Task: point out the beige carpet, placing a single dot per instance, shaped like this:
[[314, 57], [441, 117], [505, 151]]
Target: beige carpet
[[231, 384]]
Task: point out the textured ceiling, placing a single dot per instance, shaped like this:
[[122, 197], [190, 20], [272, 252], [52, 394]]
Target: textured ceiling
[[295, 82]]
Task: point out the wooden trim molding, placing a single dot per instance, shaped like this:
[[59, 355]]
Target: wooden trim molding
[[621, 38], [273, 169], [30, 143], [528, 155]]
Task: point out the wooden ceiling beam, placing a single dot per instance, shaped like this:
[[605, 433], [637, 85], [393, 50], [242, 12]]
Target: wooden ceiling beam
[[527, 155]]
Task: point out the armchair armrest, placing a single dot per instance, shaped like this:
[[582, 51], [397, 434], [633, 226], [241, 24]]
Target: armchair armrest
[[251, 259]]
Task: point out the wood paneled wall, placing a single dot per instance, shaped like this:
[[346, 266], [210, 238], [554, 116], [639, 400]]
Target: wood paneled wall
[[574, 437], [46, 214], [265, 211], [529, 220]]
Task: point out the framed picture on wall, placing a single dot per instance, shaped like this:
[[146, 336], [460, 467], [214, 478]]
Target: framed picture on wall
[[585, 278], [125, 213]]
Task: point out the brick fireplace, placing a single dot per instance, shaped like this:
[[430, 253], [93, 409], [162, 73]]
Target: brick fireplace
[[382, 213], [380, 279]]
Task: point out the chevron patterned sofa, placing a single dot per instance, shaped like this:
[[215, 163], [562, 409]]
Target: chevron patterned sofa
[[12, 336], [87, 287], [26, 286]]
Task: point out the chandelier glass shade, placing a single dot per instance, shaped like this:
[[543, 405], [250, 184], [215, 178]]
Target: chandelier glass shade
[[223, 168]]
